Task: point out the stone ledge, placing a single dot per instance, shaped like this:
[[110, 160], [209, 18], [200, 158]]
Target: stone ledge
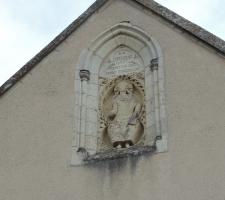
[[117, 154]]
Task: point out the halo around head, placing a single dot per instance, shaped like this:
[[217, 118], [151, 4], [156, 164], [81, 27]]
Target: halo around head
[[129, 86]]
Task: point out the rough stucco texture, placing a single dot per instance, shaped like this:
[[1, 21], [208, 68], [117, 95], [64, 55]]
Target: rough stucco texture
[[37, 115]]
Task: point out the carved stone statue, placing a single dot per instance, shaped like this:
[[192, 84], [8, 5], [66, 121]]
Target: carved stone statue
[[125, 127]]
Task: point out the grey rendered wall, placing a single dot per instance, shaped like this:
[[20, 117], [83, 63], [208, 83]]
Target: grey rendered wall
[[36, 125]]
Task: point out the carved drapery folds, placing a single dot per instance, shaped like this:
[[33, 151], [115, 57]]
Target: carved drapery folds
[[121, 113], [119, 94]]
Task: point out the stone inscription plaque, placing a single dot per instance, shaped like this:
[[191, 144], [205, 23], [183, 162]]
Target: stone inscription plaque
[[124, 61]]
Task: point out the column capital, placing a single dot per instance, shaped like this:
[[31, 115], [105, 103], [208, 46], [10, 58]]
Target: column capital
[[154, 64], [84, 75]]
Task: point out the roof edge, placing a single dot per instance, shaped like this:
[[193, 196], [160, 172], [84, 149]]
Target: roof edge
[[190, 27], [51, 46], [169, 15]]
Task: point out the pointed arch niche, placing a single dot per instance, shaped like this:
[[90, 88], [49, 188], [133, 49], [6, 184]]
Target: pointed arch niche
[[121, 53]]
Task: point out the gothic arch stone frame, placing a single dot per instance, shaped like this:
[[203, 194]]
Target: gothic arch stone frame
[[85, 137]]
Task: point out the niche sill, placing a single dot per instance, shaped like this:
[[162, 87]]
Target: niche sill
[[121, 153]]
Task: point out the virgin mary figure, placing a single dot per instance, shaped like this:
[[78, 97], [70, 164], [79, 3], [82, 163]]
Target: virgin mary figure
[[125, 128]]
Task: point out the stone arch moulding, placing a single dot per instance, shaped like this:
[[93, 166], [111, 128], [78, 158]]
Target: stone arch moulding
[[139, 59]]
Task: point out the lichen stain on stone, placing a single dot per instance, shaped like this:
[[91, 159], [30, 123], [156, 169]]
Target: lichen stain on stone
[[108, 173], [133, 162], [117, 165], [113, 174], [111, 166]]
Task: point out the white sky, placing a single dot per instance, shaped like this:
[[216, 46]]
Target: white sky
[[27, 26]]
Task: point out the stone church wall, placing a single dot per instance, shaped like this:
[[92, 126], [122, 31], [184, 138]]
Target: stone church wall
[[36, 125]]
